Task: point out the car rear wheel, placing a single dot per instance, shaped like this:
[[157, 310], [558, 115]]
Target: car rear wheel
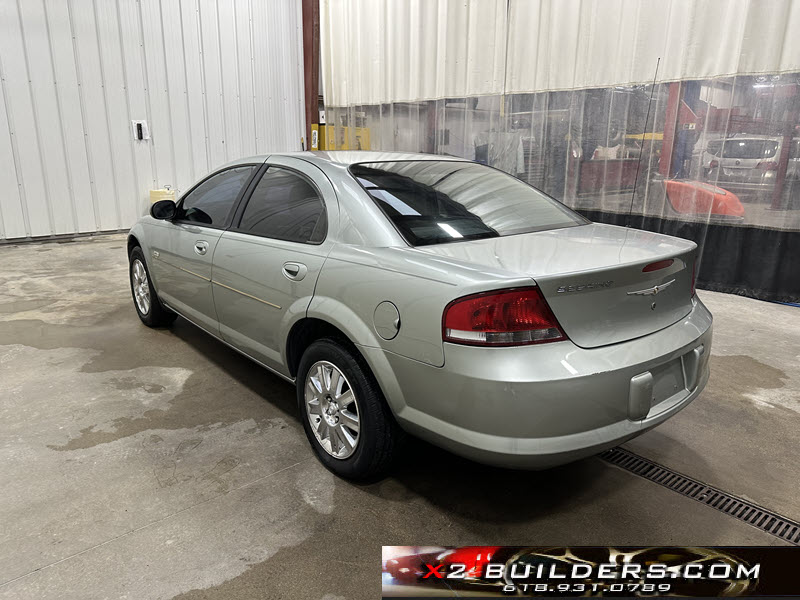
[[145, 300], [343, 411]]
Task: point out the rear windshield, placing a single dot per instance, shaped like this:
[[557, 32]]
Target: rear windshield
[[434, 202], [743, 148]]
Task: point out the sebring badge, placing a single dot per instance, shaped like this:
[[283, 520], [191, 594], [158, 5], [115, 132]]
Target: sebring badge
[[653, 290], [584, 286]]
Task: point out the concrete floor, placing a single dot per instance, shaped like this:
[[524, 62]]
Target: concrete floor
[[141, 463]]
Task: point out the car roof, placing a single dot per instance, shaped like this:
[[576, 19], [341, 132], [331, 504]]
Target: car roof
[[363, 212], [346, 157], [350, 157]]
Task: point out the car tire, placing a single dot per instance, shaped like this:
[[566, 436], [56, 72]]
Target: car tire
[[145, 299], [378, 435]]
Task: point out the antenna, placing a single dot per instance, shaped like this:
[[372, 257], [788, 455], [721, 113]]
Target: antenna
[[639, 162]]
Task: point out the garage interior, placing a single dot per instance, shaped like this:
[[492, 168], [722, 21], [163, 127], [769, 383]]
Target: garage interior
[[162, 464]]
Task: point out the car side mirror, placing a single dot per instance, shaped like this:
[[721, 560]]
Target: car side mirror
[[165, 210]]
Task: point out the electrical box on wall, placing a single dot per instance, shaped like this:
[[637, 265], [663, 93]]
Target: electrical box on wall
[[140, 130]]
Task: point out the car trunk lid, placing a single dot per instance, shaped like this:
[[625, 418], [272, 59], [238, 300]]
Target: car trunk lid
[[605, 284]]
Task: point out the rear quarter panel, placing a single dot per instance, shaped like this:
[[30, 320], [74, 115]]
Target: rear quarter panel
[[355, 280]]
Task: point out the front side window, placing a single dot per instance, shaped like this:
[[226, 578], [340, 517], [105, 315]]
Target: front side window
[[285, 206], [433, 202], [211, 201]]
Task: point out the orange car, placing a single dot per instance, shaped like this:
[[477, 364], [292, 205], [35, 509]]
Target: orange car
[[702, 199]]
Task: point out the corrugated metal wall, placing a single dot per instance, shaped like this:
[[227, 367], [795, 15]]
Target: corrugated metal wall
[[386, 51], [215, 79]]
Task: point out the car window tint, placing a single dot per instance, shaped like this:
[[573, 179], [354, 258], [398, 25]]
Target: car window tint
[[285, 206], [433, 202], [211, 201]]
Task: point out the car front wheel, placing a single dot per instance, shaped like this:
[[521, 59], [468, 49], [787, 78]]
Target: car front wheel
[[344, 414], [145, 300]]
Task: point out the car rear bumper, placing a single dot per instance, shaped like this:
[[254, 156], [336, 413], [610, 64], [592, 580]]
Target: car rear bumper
[[542, 405]]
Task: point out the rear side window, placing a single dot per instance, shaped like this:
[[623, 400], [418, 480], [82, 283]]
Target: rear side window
[[434, 202], [211, 201], [285, 206]]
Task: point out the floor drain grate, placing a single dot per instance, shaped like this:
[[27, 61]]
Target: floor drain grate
[[741, 509]]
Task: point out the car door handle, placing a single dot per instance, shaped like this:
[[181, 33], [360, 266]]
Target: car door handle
[[295, 271], [201, 247]]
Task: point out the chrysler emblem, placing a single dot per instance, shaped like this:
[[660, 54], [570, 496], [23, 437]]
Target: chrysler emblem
[[653, 290]]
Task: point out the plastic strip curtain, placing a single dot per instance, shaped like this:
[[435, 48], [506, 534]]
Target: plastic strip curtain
[[716, 159]]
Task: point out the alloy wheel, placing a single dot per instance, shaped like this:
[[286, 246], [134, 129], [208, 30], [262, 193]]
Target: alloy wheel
[[332, 409], [141, 287]]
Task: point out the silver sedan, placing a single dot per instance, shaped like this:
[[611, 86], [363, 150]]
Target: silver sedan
[[429, 295]]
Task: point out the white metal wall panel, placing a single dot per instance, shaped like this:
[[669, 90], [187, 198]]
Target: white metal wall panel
[[116, 110], [69, 133], [274, 114], [382, 51], [22, 123], [137, 104], [583, 44], [197, 132], [244, 61], [215, 79], [230, 80], [376, 51], [46, 112], [91, 80], [12, 221], [176, 98], [212, 78], [157, 87]]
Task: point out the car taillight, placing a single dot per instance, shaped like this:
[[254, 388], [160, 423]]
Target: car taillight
[[767, 165], [694, 277], [713, 164], [658, 265], [512, 317]]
